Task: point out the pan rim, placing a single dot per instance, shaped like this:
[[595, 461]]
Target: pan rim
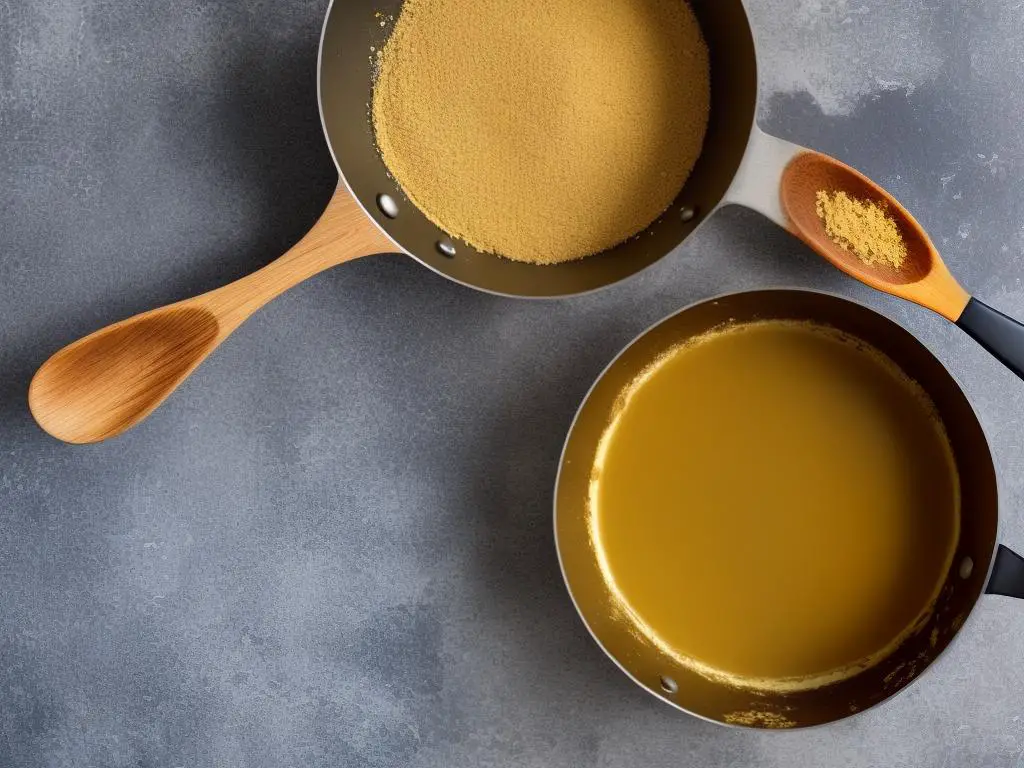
[[561, 465], [399, 249], [327, 137]]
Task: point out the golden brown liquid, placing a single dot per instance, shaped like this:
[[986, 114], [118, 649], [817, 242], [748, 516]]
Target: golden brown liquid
[[775, 504]]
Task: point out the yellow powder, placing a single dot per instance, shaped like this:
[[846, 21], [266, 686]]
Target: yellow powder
[[862, 227], [542, 131]]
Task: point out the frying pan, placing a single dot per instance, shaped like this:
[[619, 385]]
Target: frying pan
[[104, 384], [978, 566]]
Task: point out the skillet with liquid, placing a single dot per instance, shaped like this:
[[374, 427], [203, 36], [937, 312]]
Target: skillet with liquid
[[750, 458], [703, 484]]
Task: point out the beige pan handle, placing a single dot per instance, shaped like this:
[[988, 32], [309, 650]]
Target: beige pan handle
[[106, 383]]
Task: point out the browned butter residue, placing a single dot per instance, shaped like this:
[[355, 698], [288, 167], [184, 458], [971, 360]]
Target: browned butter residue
[[774, 504], [758, 719]]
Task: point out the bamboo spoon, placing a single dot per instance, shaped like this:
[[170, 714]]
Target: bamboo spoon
[[107, 382], [923, 278]]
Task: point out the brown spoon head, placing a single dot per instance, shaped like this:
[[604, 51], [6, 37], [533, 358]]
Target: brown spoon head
[[922, 277], [105, 383]]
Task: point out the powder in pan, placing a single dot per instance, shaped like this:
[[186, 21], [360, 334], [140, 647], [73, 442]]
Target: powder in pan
[[542, 131]]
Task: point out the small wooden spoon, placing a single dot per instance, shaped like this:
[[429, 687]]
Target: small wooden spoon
[[923, 278], [107, 382]]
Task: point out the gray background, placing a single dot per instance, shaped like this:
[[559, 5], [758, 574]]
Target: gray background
[[332, 547]]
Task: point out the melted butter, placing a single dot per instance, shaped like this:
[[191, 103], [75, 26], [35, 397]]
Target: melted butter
[[775, 505]]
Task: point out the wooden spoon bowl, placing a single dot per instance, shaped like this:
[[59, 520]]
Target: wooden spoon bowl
[[109, 381], [810, 173], [120, 374], [923, 277]]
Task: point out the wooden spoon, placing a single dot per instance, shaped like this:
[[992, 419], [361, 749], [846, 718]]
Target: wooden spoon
[[107, 382], [923, 278]]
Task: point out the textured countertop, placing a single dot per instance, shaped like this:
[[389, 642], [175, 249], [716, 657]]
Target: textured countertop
[[333, 546]]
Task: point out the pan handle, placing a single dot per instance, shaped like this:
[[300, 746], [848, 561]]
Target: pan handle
[[758, 181], [1002, 336], [1007, 574]]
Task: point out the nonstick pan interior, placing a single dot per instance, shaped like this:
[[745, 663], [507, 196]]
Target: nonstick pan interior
[[677, 684], [353, 28]]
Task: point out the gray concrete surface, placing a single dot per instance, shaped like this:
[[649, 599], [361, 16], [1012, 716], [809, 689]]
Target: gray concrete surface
[[332, 547]]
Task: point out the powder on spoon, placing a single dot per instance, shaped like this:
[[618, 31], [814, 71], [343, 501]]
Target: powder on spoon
[[542, 131], [863, 227]]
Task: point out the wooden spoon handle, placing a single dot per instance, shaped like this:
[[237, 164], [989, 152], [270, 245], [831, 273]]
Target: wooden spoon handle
[[109, 381], [342, 233]]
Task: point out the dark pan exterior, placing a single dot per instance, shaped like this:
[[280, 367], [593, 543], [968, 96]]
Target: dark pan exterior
[[717, 702], [353, 27]]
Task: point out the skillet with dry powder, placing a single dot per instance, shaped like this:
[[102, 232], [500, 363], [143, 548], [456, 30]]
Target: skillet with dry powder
[[543, 132]]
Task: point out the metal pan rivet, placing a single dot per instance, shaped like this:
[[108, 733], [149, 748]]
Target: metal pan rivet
[[387, 205], [668, 685], [966, 567], [687, 213], [446, 247]]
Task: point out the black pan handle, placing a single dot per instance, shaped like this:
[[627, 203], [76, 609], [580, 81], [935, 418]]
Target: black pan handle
[[1001, 335], [1007, 574]]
